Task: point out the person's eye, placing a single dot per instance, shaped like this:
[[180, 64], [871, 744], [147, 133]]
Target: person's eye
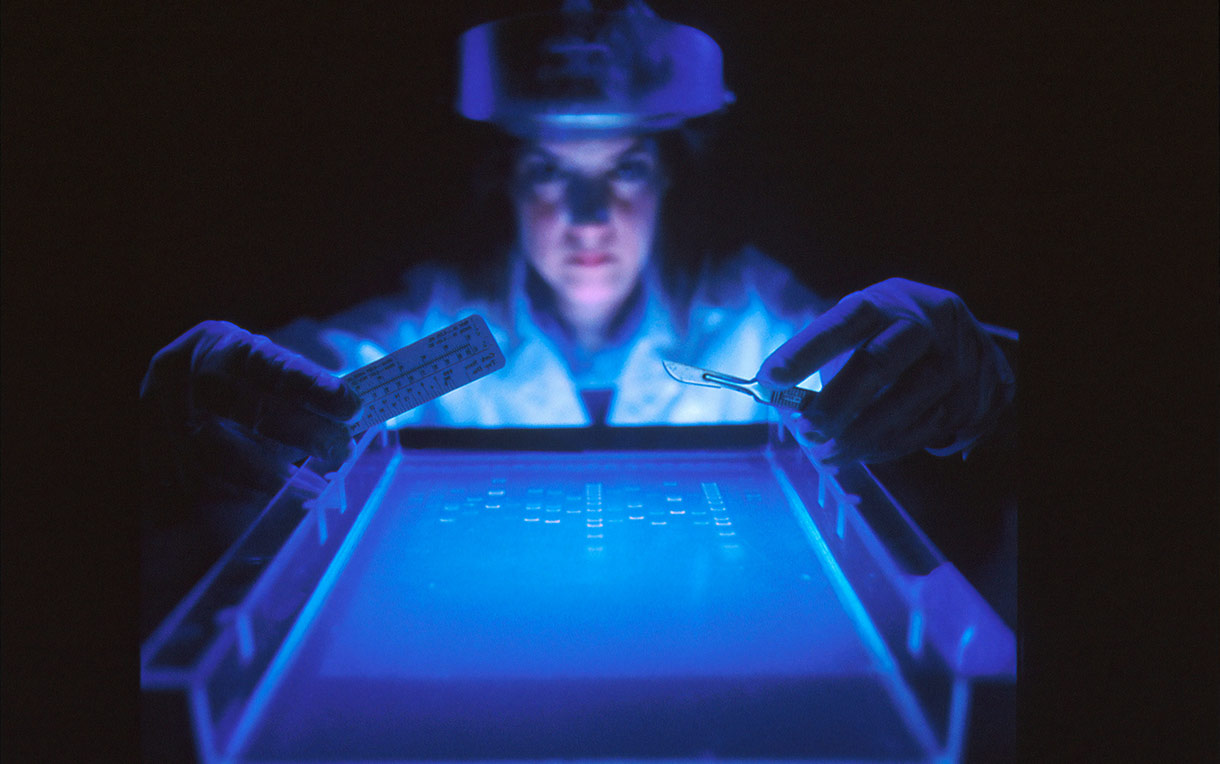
[[540, 172], [633, 169]]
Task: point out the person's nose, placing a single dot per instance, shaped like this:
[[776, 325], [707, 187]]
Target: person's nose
[[588, 201]]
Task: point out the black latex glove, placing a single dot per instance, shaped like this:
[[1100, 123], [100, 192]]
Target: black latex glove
[[923, 374], [230, 410]]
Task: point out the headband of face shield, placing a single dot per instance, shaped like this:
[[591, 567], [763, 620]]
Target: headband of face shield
[[584, 73]]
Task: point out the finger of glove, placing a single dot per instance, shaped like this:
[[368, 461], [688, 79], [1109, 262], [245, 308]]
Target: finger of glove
[[298, 428], [224, 454], [319, 390], [921, 431], [282, 373], [165, 389], [825, 450], [269, 416], [854, 320], [335, 459], [889, 424], [804, 432], [874, 366]]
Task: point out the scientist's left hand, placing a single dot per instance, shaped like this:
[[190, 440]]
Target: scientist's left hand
[[923, 374]]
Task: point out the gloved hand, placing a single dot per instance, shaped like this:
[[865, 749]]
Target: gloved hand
[[923, 374], [229, 410]]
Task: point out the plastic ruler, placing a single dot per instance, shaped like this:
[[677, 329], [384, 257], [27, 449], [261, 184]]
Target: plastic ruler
[[413, 375]]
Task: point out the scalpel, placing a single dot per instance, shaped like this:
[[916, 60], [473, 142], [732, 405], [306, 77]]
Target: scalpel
[[793, 398]]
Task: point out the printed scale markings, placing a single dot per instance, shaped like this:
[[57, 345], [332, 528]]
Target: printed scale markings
[[411, 376]]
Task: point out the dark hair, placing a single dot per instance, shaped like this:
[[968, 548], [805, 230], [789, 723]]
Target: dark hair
[[693, 213], [697, 226]]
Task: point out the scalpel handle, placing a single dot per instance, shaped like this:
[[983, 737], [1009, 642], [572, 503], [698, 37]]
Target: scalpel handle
[[795, 398]]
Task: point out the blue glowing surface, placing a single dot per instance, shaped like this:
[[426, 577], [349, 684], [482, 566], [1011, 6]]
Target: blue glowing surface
[[558, 605]]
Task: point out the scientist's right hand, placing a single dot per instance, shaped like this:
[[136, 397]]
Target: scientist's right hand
[[227, 409]]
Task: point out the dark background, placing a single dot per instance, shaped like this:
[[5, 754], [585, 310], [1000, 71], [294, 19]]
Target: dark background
[[259, 163], [164, 164]]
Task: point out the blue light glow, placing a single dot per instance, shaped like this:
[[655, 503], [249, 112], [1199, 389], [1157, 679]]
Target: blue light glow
[[528, 572], [915, 632], [288, 652], [599, 121], [539, 605]]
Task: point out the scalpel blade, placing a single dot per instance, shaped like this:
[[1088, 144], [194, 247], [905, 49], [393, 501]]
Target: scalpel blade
[[792, 398], [691, 375]]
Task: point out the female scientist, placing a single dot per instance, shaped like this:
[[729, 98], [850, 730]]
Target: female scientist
[[595, 288]]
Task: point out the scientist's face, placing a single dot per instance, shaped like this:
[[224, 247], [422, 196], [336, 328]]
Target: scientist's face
[[586, 215]]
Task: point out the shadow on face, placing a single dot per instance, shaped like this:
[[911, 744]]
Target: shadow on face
[[587, 213]]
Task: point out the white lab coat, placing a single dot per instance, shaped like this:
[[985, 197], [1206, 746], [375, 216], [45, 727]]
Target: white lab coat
[[739, 313]]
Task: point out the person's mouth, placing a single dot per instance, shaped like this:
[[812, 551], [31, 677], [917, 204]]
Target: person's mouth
[[589, 258]]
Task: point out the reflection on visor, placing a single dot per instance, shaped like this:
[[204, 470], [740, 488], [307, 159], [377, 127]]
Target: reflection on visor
[[554, 74]]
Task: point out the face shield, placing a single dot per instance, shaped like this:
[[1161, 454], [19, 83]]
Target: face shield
[[580, 73]]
